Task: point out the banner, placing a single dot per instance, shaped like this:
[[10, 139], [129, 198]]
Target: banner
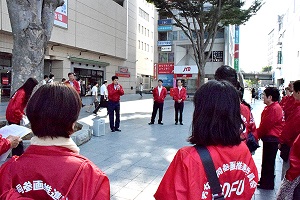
[[61, 15]]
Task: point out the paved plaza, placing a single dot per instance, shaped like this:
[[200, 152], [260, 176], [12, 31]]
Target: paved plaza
[[136, 159]]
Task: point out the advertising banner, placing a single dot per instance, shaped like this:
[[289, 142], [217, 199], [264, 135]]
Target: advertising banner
[[165, 28], [164, 21], [164, 43], [165, 68], [61, 15], [185, 69]]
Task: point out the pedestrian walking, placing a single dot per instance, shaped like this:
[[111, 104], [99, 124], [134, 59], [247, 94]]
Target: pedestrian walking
[[271, 125], [216, 126], [16, 106], [51, 79], [141, 88], [179, 97], [75, 84], [51, 167], [115, 90], [159, 94], [103, 98], [94, 100], [45, 80], [253, 95]]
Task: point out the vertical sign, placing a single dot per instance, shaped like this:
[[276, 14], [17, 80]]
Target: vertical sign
[[61, 15], [155, 72], [236, 48]]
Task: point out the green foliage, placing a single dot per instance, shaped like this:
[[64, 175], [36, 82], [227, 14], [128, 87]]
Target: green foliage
[[266, 69]]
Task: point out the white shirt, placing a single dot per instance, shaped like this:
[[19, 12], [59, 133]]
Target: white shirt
[[159, 90], [94, 90], [179, 88], [103, 90]]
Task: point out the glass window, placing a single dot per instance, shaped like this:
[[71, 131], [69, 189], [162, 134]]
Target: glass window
[[163, 57], [171, 57], [182, 36]]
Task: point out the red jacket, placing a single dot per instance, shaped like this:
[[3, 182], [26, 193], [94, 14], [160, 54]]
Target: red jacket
[[291, 129], [75, 85], [179, 94], [185, 178], [249, 122], [294, 170], [159, 98], [113, 94], [16, 106], [287, 106], [283, 100], [272, 121], [4, 145], [45, 171]]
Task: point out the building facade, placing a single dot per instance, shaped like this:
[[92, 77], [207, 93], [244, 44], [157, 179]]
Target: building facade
[[287, 45], [175, 55], [95, 39]]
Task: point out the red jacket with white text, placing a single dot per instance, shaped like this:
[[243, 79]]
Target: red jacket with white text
[[16, 106], [159, 98], [179, 94], [114, 94], [272, 121], [46, 172], [294, 170], [291, 129], [185, 179]]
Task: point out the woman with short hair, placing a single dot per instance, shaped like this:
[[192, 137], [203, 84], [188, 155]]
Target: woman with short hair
[[217, 126], [51, 167]]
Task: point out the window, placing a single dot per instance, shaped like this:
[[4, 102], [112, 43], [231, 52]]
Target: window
[[142, 45], [139, 44], [145, 46], [163, 57], [148, 47], [142, 29], [139, 28], [148, 32], [145, 30], [182, 36], [143, 14], [172, 35]]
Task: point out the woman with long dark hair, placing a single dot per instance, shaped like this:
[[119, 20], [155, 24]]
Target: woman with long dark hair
[[16, 106], [217, 126]]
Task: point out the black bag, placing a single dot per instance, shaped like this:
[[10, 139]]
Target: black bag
[[251, 143], [284, 152]]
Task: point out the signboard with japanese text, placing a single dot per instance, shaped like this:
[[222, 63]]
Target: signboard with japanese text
[[164, 21], [124, 75], [164, 43], [165, 28], [61, 15], [165, 68], [166, 48], [155, 71], [217, 56]]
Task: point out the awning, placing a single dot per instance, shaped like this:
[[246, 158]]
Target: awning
[[90, 62]]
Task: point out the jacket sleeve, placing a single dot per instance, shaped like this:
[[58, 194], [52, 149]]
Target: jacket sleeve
[[103, 188], [165, 92], [184, 94], [174, 184], [294, 170], [268, 119], [290, 131], [4, 145], [121, 91]]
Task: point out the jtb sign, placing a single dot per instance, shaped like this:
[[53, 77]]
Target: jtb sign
[[186, 69]]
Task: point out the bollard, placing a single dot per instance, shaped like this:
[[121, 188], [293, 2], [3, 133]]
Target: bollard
[[98, 127]]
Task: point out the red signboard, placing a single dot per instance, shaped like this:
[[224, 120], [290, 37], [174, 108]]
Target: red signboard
[[165, 68], [124, 75], [4, 80], [183, 75], [236, 51], [155, 71]]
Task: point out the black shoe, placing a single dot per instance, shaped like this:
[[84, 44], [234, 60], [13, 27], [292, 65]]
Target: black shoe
[[176, 123], [150, 123], [95, 113], [112, 130], [181, 123], [117, 130], [161, 123]]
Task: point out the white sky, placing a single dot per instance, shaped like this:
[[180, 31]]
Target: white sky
[[254, 35]]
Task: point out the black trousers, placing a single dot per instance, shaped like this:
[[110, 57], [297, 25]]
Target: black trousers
[[178, 108], [268, 164], [102, 104], [114, 107], [157, 106]]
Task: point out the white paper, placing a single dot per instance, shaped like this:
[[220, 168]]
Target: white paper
[[14, 130]]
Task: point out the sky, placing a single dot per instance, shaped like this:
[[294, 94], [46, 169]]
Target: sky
[[254, 35]]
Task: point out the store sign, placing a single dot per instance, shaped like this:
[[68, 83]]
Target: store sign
[[123, 69], [127, 75], [61, 15], [164, 43], [217, 56], [164, 21], [184, 75], [166, 48], [165, 28], [165, 68], [185, 69], [123, 72]]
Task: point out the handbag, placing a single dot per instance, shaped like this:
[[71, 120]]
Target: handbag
[[251, 142], [210, 171]]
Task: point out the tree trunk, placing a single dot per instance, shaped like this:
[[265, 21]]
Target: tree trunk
[[32, 23], [201, 76]]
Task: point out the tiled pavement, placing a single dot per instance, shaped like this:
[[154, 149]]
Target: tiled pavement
[[136, 159]]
